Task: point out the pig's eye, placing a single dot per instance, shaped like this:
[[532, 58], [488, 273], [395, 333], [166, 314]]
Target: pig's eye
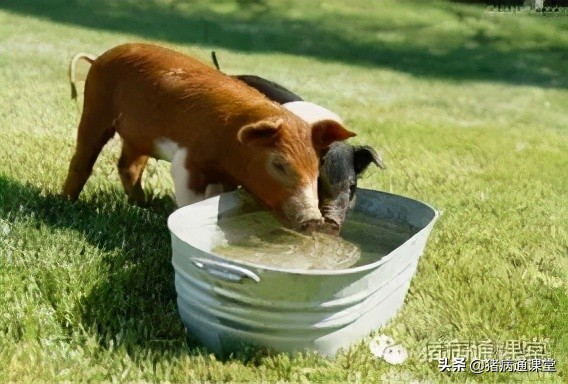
[[279, 166], [282, 170], [352, 189]]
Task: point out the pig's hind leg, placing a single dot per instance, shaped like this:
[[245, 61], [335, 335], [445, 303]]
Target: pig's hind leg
[[131, 166], [95, 130], [133, 158]]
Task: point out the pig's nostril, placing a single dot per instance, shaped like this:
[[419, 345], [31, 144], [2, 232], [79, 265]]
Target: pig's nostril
[[310, 225], [331, 223], [331, 227]]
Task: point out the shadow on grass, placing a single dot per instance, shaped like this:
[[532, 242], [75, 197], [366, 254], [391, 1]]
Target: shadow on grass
[[485, 55], [133, 302]]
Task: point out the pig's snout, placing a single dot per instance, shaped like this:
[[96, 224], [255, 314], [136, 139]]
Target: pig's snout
[[311, 226], [333, 213], [331, 226], [302, 209]]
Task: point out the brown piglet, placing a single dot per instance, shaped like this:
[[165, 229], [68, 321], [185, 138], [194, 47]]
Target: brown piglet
[[217, 130]]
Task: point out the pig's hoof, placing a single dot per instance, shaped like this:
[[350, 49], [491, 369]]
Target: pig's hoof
[[139, 200]]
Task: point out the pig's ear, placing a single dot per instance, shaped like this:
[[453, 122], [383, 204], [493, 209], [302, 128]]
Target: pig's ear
[[365, 155], [325, 132], [262, 133]]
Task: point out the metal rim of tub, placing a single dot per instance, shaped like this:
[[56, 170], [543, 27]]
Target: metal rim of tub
[[318, 272]]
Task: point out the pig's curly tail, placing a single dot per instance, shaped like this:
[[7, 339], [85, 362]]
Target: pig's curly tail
[[72, 76]]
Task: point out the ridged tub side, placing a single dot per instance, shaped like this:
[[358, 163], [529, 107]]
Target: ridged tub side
[[227, 304]]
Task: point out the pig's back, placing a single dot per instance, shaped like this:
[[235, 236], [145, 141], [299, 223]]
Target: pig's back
[[158, 86]]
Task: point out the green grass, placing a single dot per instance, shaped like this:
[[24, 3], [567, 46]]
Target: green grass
[[468, 108]]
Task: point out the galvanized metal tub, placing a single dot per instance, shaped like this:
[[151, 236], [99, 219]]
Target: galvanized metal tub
[[228, 304]]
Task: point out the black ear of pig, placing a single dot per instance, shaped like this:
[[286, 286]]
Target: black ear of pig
[[363, 156]]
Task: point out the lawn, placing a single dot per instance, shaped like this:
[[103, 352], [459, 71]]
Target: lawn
[[468, 107]]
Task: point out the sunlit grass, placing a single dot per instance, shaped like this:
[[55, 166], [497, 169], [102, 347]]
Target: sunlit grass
[[468, 109]]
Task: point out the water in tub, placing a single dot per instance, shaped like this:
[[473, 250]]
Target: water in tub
[[258, 238]]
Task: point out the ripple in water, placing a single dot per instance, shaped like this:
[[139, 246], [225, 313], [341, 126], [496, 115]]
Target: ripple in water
[[258, 238]]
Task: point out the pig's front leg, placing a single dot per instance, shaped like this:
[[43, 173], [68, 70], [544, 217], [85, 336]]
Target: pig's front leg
[[181, 177], [213, 190]]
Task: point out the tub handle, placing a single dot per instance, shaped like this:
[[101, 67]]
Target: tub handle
[[223, 270]]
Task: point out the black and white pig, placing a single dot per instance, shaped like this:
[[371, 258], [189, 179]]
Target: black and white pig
[[340, 167], [341, 164]]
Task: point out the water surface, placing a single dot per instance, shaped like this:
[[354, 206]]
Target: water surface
[[259, 238]]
